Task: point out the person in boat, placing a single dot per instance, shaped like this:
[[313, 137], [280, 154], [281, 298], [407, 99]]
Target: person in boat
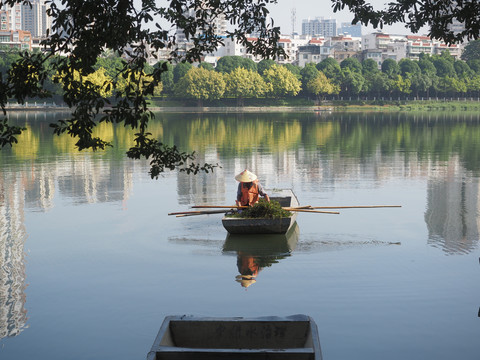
[[249, 189]]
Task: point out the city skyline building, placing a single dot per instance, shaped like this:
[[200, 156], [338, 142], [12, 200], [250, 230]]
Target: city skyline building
[[319, 27], [21, 25], [219, 24], [35, 18], [183, 44], [11, 17], [20, 17], [352, 30]]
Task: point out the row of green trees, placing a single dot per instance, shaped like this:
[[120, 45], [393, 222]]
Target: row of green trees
[[431, 75], [437, 75], [239, 78]]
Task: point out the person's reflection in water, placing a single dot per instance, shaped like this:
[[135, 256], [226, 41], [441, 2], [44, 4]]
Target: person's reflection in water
[[248, 268], [256, 252]]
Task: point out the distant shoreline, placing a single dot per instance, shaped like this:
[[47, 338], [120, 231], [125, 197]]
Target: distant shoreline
[[328, 106], [192, 109]]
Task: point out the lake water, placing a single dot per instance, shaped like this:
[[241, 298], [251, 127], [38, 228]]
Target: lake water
[[90, 262]]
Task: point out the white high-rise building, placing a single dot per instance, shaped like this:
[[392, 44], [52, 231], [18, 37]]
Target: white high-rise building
[[220, 28], [33, 19], [219, 23], [352, 30], [11, 17], [319, 27]]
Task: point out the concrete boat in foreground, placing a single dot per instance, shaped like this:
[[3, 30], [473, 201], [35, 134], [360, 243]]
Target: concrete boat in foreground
[[286, 198], [275, 338]]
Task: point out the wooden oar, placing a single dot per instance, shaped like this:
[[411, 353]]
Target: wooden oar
[[198, 212], [299, 207], [307, 208], [191, 213], [184, 212], [356, 207], [311, 211], [203, 213], [241, 207], [218, 207]]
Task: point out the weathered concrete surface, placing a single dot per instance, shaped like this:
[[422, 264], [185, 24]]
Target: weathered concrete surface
[[274, 338]]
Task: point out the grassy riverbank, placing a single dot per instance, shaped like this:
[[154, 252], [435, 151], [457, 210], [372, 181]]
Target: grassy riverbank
[[407, 105], [309, 105], [273, 105], [293, 104]]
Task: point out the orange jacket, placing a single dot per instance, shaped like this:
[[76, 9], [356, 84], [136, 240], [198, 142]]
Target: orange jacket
[[247, 265], [249, 196]]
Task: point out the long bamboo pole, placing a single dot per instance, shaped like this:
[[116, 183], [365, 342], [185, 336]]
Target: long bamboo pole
[[202, 213], [218, 207], [184, 212], [311, 211], [198, 212], [356, 207], [298, 209], [240, 207], [192, 213], [306, 208]]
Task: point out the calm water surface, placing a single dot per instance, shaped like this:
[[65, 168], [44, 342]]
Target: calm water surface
[[91, 263]]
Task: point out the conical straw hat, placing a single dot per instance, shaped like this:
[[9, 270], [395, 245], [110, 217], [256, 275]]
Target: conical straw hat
[[246, 176], [245, 281]]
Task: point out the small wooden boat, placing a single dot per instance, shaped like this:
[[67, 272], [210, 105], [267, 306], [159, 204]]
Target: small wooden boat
[[286, 198], [200, 338]]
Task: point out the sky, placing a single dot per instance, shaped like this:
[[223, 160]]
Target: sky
[[282, 15], [304, 9]]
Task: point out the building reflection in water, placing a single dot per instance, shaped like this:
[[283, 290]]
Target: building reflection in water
[[33, 187], [452, 214], [13, 315], [203, 188], [256, 252]]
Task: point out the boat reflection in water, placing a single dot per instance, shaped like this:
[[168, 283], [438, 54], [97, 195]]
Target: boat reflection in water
[[257, 251]]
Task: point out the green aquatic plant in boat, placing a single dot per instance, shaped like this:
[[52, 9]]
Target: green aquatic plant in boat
[[263, 210]]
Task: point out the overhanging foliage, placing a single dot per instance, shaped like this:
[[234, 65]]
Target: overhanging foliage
[[437, 15], [82, 30]]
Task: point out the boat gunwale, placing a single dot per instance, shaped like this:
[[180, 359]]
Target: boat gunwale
[[313, 336]]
